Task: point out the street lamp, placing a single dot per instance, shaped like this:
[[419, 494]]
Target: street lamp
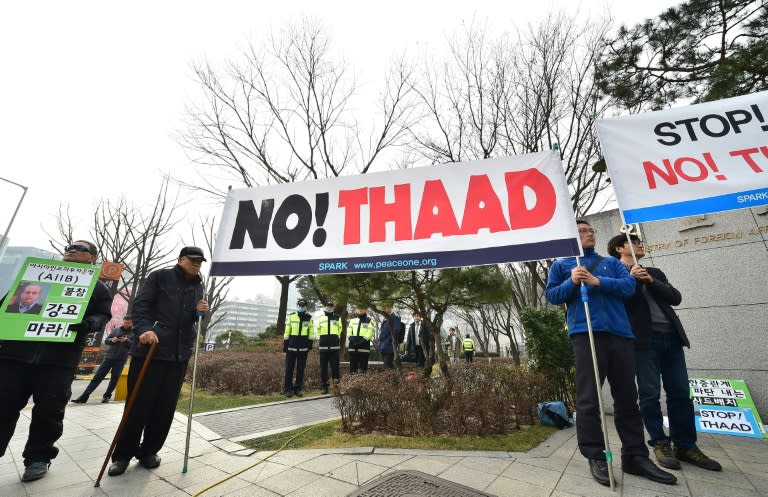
[[8, 229]]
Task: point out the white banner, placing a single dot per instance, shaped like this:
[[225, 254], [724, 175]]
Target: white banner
[[691, 160], [461, 214]]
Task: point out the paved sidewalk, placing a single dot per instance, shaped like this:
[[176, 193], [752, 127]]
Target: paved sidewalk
[[245, 423], [554, 469]]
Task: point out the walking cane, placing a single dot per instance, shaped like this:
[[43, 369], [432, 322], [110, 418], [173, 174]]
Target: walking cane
[[192, 391], [127, 410], [608, 454]]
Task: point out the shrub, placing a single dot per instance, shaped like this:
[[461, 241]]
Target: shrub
[[249, 373], [549, 350], [479, 399]]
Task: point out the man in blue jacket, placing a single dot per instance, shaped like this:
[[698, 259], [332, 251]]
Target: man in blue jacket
[[608, 283], [390, 326]]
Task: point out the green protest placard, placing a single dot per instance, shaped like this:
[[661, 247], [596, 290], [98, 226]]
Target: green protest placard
[[726, 407], [46, 298]]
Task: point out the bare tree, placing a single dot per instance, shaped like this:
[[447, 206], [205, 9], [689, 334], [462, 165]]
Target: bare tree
[[125, 233], [216, 289], [283, 113]]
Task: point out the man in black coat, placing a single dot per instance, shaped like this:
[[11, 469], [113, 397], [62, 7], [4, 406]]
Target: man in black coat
[[44, 371], [418, 340], [165, 312], [659, 355], [118, 343]]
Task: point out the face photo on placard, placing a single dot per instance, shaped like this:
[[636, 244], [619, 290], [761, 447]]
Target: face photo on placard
[[28, 298]]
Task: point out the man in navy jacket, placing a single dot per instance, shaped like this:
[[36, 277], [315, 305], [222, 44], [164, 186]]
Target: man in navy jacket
[[608, 282], [390, 326], [659, 356], [165, 313]]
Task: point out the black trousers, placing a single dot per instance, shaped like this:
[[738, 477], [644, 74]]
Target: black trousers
[[50, 388], [469, 355], [329, 357], [298, 361], [107, 365], [358, 361], [421, 359], [389, 360], [152, 413], [615, 361]]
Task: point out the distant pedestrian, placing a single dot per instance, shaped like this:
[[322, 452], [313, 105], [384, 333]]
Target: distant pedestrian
[[44, 371], [297, 340], [118, 344], [329, 333], [418, 339], [452, 345], [360, 331], [469, 349], [390, 327], [165, 313]]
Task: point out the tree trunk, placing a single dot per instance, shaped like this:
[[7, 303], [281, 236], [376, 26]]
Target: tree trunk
[[285, 282]]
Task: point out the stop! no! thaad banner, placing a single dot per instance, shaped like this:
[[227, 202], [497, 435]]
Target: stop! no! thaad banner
[[692, 160], [461, 214]]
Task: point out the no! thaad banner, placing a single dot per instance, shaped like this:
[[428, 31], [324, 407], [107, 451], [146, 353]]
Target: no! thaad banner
[[461, 214], [691, 160], [47, 297]]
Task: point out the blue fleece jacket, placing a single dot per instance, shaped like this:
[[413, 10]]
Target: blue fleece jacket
[[606, 302]]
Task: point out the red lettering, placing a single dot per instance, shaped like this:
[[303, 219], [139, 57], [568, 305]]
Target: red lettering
[[482, 208], [435, 212], [398, 212], [667, 175], [703, 172], [746, 154], [351, 201], [520, 216]]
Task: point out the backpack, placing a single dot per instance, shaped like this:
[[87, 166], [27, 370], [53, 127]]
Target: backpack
[[554, 413], [400, 334]]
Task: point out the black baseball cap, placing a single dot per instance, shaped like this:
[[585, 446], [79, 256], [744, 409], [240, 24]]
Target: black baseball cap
[[192, 253], [301, 302]]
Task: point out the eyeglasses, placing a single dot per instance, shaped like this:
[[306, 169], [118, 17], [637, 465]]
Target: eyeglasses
[[587, 231], [76, 248]]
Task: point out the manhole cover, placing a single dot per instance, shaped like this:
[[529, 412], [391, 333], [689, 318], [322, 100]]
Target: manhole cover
[[415, 484]]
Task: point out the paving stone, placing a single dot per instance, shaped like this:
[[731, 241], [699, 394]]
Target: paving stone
[[324, 464], [325, 487], [252, 491], [532, 474], [506, 487], [288, 481], [263, 471], [483, 464], [432, 465], [12, 489], [714, 489], [357, 472], [582, 486]]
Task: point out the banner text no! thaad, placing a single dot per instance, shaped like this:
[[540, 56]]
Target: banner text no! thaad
[[462, 214], [691, 160]]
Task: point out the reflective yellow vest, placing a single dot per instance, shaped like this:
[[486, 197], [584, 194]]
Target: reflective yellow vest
[[298, 333], [329, 331], [469, 345], [360, 335]]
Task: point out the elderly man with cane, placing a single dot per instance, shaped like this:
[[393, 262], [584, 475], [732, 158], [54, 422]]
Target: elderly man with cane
[[602, 340], [165, 313]]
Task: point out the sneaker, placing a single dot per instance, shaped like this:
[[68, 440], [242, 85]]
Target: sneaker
[[662, 449], [299, 393], [80, 400], [324, 390], [288, 394], [599, 470], [696, 457], [35, 470], [104, 400]]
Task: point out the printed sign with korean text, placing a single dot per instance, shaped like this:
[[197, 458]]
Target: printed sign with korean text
[[46, 298], [725, 407]]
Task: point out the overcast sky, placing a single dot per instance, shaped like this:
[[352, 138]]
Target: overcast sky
[[92, 93]]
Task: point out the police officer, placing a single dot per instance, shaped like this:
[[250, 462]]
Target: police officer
[[469, 348], [360, 332], [297, 341], [329, 332]]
